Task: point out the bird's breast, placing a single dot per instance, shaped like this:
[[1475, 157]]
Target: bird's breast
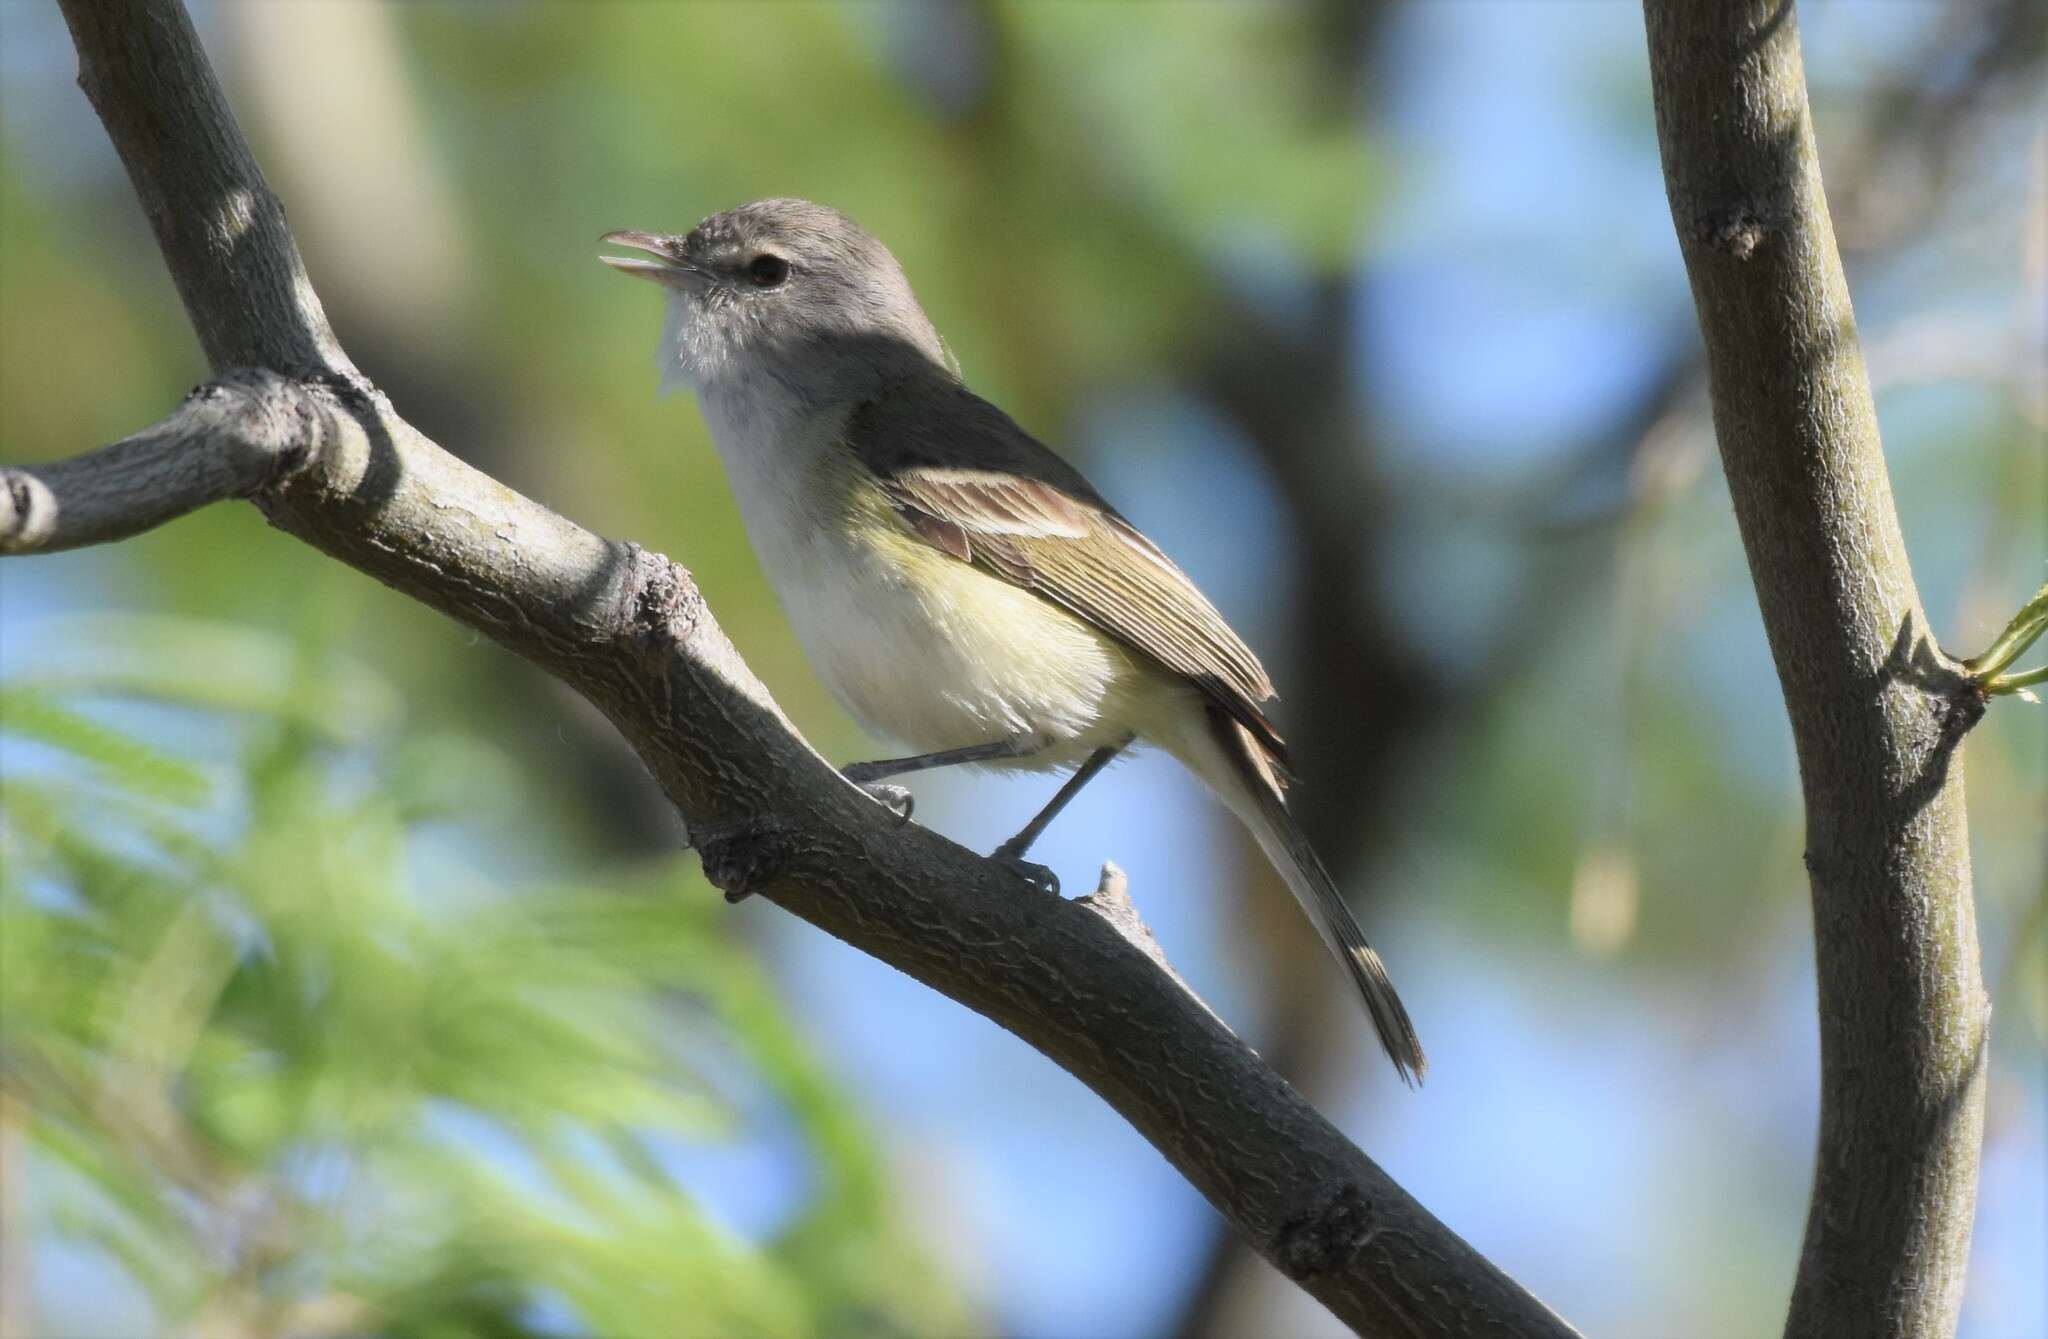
[[924, 648], [915, 644]]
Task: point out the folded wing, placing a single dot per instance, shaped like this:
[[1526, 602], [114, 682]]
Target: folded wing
[[1032, 520]]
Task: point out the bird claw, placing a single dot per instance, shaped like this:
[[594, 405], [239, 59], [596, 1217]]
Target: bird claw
[[1038, 876], [896, 799]]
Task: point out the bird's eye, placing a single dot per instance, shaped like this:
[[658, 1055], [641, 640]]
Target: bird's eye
[[767, 270]]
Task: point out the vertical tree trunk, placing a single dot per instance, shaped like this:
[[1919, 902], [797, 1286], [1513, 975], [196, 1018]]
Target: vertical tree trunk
[[1877, 711]]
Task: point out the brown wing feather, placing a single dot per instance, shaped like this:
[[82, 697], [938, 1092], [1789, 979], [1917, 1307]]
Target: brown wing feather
[[1035, 522]]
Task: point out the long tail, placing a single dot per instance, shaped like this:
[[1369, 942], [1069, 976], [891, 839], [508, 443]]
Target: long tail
[[1257, 800]]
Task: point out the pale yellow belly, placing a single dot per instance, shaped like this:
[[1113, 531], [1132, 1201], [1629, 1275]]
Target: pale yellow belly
[[926, 650]]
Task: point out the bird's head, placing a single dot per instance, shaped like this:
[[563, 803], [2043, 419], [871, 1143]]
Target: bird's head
[[783, 288]]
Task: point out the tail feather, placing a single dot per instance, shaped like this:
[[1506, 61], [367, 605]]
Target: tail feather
[[1263, 809]]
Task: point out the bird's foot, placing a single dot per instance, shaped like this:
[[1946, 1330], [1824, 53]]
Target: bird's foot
[[1037, 875], [895, 798]]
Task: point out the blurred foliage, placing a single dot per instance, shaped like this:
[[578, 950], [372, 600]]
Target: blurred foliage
[[297, 1074]]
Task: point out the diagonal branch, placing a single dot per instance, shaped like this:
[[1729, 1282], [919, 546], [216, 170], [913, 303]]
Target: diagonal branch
[[328, 460], [1877, 712], [1082, 981]]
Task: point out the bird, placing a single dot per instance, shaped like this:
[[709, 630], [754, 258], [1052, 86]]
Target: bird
[[959, 587]]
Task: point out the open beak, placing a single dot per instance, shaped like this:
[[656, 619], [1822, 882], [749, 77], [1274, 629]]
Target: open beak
[[667, 266]]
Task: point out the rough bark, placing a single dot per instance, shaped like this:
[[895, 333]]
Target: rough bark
[[1877, 712], [291, 424]]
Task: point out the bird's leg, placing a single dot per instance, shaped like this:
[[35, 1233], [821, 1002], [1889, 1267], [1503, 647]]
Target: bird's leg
[[1011, 852], [869, 775], [860, 773]]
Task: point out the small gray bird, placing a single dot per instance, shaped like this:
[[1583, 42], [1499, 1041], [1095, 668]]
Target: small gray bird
[[957, 586]]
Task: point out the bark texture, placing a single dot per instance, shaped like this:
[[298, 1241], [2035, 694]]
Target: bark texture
[[292, 425], [1877, 711]]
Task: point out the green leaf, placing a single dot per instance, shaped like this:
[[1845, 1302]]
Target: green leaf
[[117, 758]]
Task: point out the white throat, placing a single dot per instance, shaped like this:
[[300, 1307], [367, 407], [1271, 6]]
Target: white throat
[[784, 458], [680, 350], [780, 446]]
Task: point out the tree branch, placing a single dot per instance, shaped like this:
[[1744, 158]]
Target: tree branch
[[1877, 712], [231, 438], [326, 458]]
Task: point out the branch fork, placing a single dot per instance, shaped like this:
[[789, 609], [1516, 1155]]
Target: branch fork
[[1988, 671]]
